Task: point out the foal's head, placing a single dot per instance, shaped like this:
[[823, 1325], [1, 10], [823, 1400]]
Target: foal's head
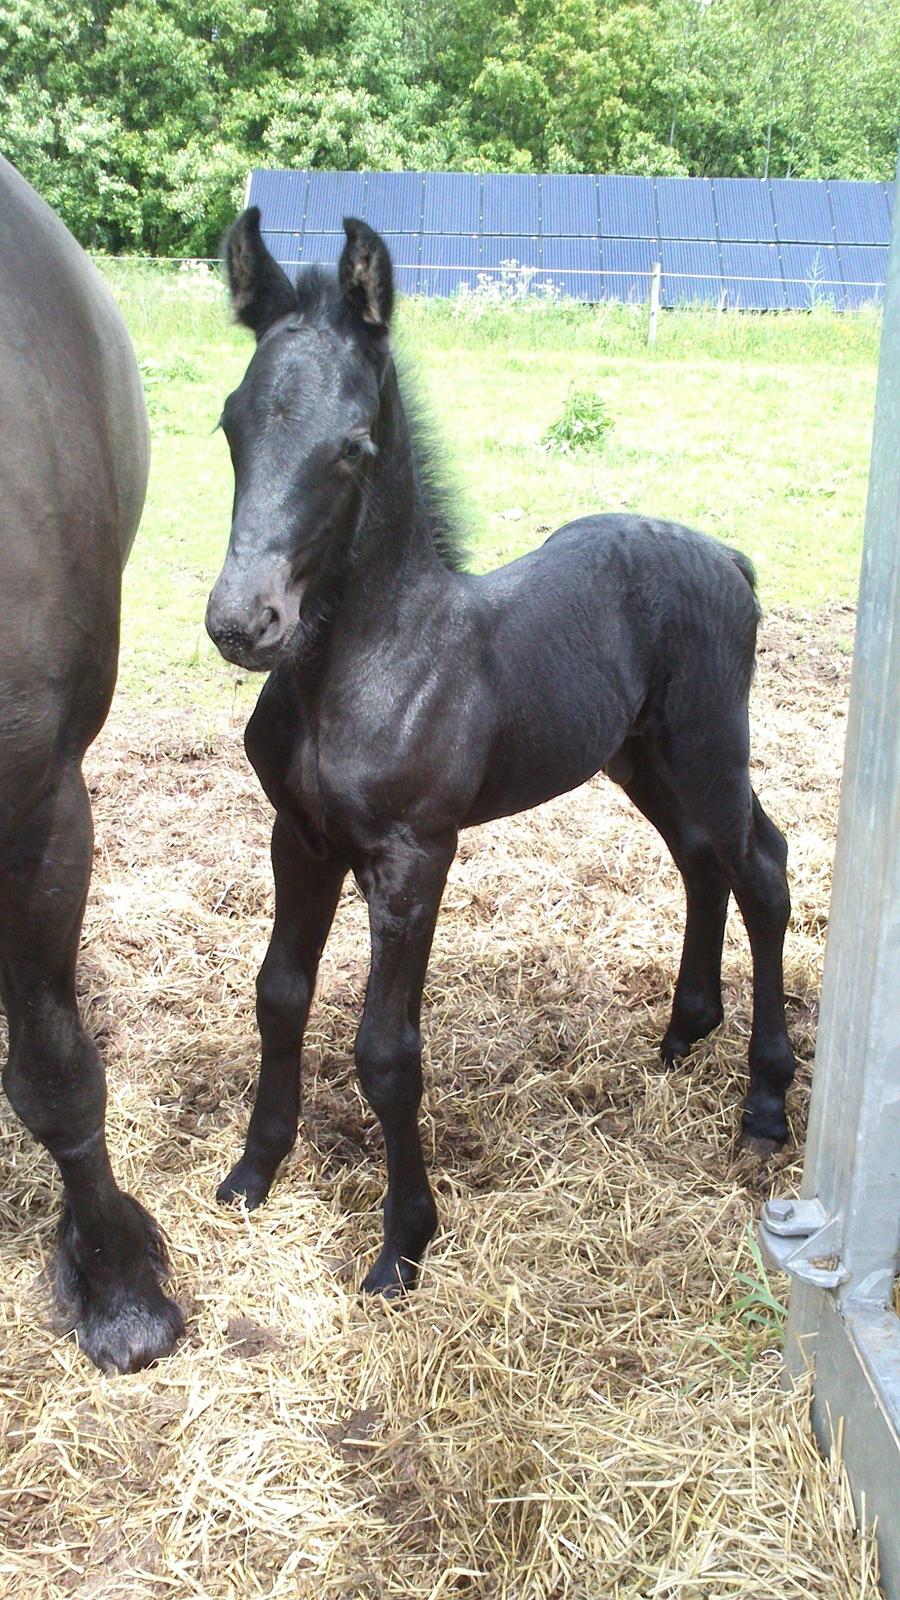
[[302, 427]]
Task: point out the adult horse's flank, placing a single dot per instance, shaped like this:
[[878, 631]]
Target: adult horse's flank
[[410, 699], [73, 472]]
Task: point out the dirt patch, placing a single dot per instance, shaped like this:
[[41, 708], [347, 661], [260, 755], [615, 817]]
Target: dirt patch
[[580, 1401]]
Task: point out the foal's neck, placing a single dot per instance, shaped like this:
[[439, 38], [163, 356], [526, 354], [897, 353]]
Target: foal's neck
[[394, 543]]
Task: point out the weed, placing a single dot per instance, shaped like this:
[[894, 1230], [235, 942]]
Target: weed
[[584, 424]]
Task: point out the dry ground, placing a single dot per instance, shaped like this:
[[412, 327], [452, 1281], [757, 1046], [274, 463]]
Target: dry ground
[[578, 1401]]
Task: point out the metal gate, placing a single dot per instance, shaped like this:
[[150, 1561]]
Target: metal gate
[[841, 1240]]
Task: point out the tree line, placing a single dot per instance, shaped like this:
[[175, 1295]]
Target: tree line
[[139, 119]]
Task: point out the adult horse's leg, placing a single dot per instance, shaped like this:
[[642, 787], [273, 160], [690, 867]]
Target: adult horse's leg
[[306, 894], [706, 766], [403, 884], [110, 1252], [697, 1001]]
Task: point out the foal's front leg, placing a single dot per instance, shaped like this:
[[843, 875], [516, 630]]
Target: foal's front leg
[[306, 894], [403, 883]]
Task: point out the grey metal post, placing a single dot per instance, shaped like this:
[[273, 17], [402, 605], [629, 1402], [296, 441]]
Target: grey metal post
[[841, 1239]]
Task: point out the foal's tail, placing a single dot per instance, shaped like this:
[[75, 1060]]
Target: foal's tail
[[748, 573]]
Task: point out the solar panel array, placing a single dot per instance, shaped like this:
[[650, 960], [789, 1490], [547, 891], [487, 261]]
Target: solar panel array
[[785, 243]]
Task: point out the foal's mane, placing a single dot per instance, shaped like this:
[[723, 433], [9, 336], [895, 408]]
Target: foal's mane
[[317, 299]]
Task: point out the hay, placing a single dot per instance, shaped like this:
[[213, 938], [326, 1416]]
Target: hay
[[575, 1403]]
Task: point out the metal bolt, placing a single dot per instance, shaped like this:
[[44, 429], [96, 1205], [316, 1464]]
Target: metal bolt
[[780, 1210]]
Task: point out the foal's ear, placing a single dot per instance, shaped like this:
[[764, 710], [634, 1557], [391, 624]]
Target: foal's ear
[[260, 291], [365, 275]]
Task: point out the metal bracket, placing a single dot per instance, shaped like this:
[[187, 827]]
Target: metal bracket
[[800, 1238]]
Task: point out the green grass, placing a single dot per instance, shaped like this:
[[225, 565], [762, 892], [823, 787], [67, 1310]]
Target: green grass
[[753, 428]]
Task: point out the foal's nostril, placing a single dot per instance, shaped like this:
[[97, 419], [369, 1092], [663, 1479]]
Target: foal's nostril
[[268, 626]]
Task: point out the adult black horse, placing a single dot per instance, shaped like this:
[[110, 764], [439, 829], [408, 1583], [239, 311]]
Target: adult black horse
[[410, 699], [74, 455]]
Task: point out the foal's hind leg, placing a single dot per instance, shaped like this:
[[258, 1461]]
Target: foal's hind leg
[[707, 769], [110, 1251], [697, 1001]]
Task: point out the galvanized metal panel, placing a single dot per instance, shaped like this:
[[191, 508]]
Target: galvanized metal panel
[[685, 207], [333, 196], [394, 201], [812, 275], [861, 213], [626, 268], [569, 205], [801, 210], [281, 197], [627, 208], [573, 267], [865, 270], [510, 203], [690, 273], [744, 209], [448, 263], [751, 277], [452, 202], [852, 1164]]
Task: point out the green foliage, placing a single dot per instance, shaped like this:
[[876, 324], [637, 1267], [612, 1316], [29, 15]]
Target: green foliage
[[139, 119], [584, 424]]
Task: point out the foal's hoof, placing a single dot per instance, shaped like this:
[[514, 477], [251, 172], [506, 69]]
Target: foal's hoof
[[392, 1276], [683, 1033], [125, 1325], [245, 1182], [758, 1147]]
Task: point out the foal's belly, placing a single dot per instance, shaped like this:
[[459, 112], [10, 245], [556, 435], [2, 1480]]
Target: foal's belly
[[525, 773]]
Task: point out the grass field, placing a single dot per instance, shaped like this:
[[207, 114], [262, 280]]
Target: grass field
[[754, 429], [582, 1400]]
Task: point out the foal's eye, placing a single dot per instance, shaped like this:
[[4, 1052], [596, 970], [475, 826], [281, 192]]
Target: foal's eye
[[360, 445]]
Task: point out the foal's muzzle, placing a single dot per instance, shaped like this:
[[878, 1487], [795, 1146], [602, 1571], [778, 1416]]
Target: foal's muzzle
[[252, 634]]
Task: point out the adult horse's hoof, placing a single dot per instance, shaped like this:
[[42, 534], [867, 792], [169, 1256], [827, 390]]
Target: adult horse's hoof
[[124, 1325], [392, 1276], [245, 1182], [130, 1332]]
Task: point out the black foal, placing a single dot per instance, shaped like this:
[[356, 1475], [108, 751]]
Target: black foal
[[410, 699]]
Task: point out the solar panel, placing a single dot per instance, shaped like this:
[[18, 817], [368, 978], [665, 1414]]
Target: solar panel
[[768, 245], [524, 251], [690, 273], [510, 203], [627, 208], [751, 277], [812, 275], [626, 268], [448, 263], [685, 208], [395, 200], [569, 205], [801, 210], [860, 213], [865, 271], [452, 202], [333, 196], [320, 249], [744, 209], [572, 267], [281, 197]]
